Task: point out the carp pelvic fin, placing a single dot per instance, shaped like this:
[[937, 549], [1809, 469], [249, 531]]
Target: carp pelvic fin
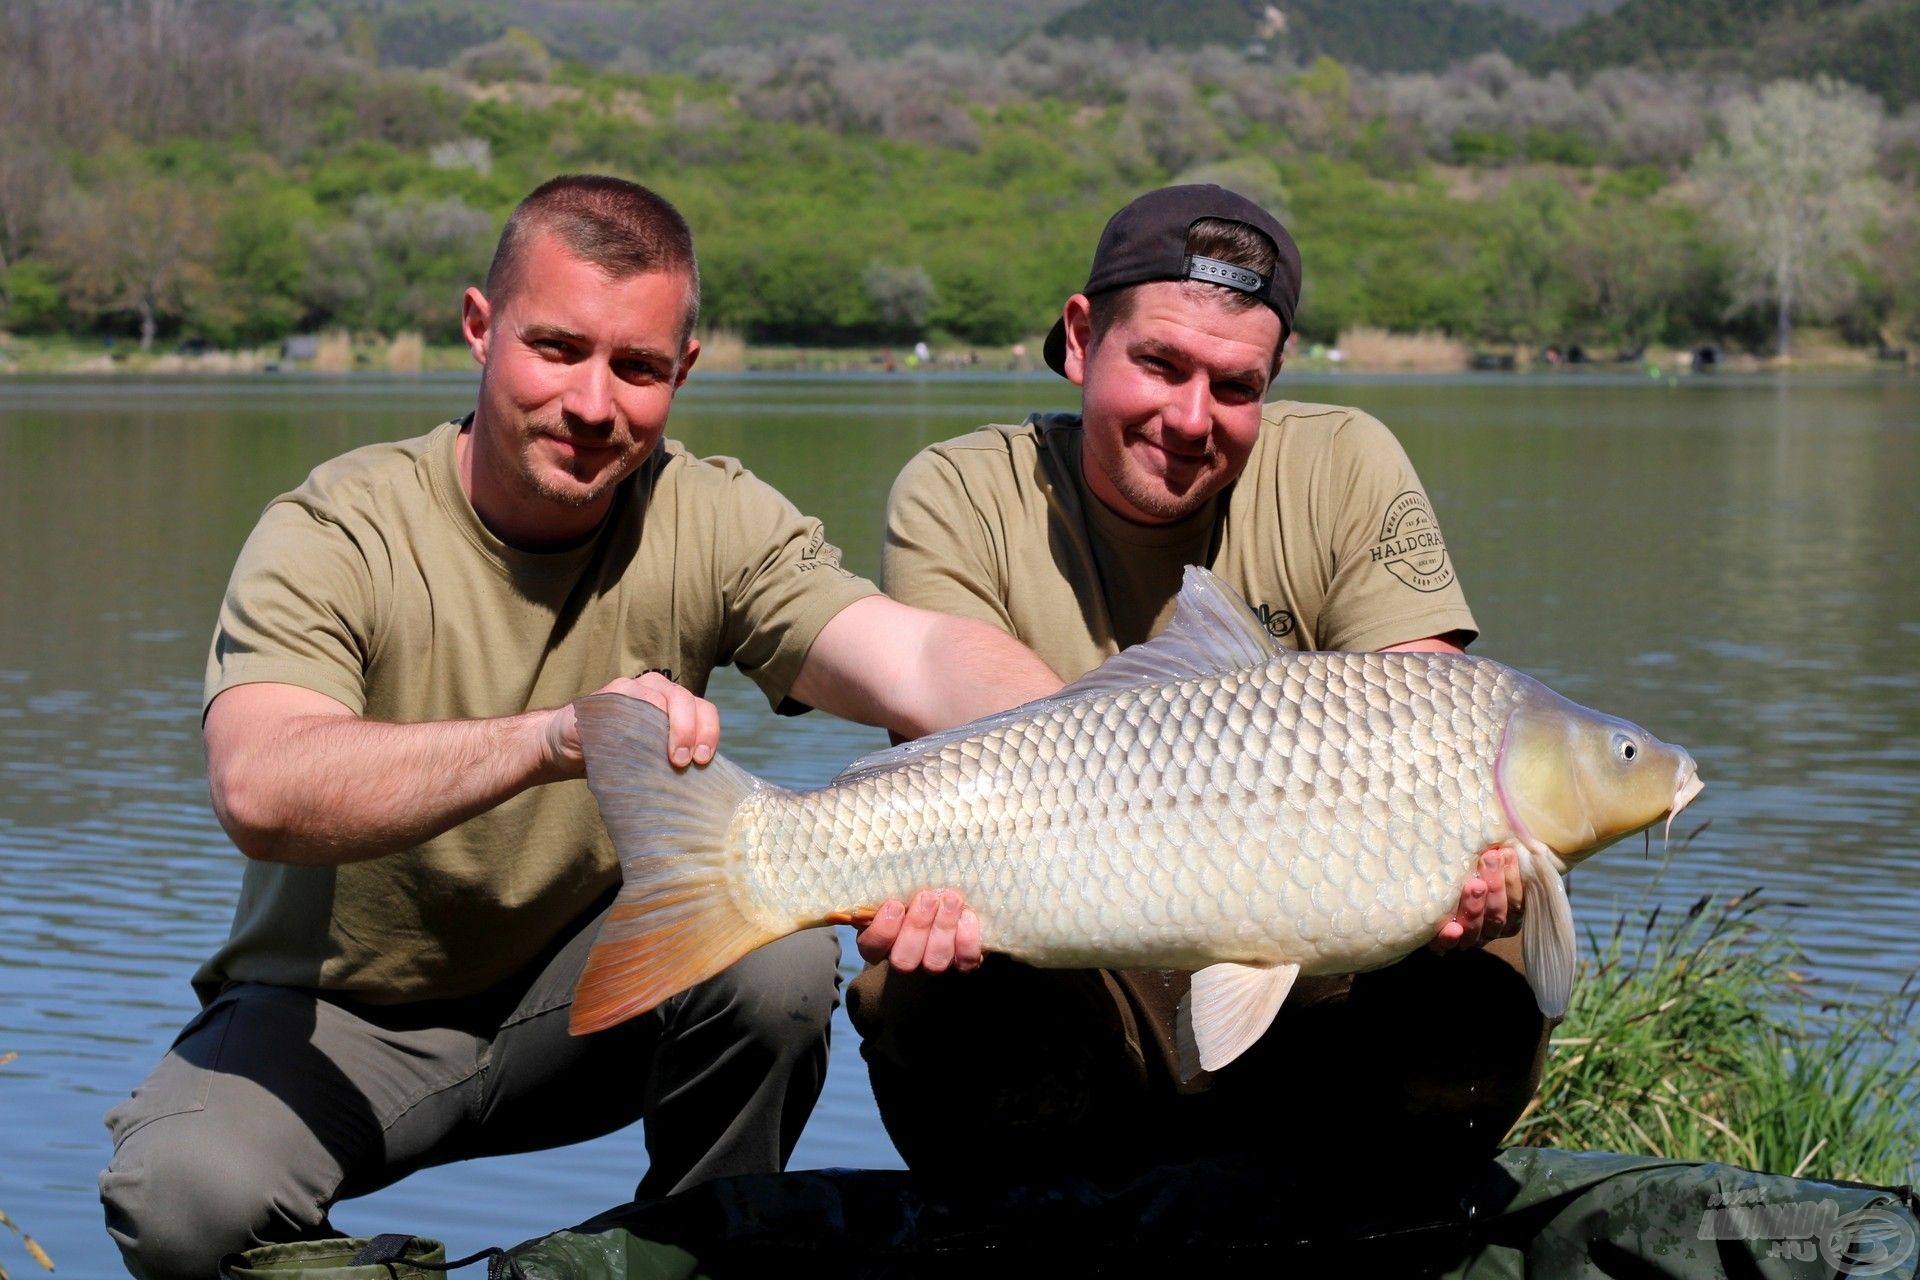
[[676, 921], [1228, 1008], [1546, 935]]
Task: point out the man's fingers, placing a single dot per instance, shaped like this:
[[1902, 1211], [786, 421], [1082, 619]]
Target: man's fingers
[[1467, 920], [911, 946], [693, 723], [940, 940], [683, 725], [1516, 894], [1493, 871], [878, 937], [966, 942], [1489, 904], [936, 931], [706, 730]]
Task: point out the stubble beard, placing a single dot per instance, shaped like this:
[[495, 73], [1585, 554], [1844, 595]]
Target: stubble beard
[[1156, 500], [539, 472]]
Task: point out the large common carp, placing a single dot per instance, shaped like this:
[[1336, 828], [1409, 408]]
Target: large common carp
[[1202, 801]]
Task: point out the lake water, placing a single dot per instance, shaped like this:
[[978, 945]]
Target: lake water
[[1733, 563]]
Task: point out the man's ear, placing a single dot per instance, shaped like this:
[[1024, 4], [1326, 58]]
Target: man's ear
[[687, 357], [1078, 314], [476, 319]]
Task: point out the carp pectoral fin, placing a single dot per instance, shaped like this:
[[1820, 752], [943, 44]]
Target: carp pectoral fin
[[1229, 1007], [1546, 936]]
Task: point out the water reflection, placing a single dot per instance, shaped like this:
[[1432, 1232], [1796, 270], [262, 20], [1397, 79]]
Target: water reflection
[[1730, 563]]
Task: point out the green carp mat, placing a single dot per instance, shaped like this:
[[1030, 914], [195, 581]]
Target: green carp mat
[[1529, 1212]]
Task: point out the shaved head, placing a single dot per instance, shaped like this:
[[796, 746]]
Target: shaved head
[[619, 226]]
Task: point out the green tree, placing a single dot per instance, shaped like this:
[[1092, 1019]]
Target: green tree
[[1626, 264], [136, 243], [979, 302], [1251, 176], [517, 55], [1896, 272], [1528, 288], [31, 300], [399, 264], [1790, 185], [31, 181], [903, 297], [262, 261]]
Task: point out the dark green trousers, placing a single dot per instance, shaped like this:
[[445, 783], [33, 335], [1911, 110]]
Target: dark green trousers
[[274, 1102]]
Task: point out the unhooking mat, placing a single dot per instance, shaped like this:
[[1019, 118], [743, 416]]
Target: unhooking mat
[[1529, 1212]]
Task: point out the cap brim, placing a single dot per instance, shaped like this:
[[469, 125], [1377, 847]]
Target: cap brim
[[1055, 349]]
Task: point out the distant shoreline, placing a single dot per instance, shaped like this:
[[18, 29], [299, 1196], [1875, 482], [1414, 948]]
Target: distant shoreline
[[65, 357]]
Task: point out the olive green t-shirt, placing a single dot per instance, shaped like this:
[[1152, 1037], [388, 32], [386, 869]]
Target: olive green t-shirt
[[1327, 533], [376, 584]]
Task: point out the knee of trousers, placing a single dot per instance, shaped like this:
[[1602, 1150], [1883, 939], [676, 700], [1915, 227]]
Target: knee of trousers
[[178, 1198], [781, 997]]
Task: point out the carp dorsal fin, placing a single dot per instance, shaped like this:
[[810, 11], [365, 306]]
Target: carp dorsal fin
[[1546, 935], [1229, 1007], [1212, 632]]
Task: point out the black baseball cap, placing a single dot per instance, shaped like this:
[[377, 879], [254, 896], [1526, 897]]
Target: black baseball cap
[[1147, 241]]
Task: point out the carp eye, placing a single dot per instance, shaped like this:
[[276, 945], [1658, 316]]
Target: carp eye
[[1625, 749]]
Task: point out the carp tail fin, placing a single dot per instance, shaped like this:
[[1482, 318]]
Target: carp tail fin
[[677, 920]]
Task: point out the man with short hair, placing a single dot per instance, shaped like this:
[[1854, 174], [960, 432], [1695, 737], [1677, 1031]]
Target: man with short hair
[[1072, 532], [391, 743]]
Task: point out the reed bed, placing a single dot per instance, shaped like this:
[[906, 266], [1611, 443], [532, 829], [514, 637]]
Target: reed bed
[[1362, 347], [722, 351], [407, 352], [1697, 1035], [334, 352]]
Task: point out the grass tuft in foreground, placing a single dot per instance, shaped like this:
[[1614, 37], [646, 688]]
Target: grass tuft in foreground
[[33, 1248], [1697, 1037]]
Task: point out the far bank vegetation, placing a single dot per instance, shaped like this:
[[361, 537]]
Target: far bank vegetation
[[208, 173]]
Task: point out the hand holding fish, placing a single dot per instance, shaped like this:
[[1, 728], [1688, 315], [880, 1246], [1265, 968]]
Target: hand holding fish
[[693, 724], [1490, 905], [936, 933]]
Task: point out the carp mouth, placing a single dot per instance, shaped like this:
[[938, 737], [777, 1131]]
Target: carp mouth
[[1682, 798]]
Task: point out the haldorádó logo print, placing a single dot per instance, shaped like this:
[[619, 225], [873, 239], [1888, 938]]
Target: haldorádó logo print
[[1410, 546]]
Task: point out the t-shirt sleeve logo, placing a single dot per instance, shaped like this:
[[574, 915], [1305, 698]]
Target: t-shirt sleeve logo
[[818, 553], [1410, 546]]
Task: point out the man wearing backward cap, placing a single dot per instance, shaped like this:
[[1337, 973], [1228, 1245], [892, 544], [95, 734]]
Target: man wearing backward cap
[[1070, 531]]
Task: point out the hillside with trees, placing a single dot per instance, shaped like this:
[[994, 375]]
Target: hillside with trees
[[208, 173], [643, 34], [1552, 14], [1381, 35], [1872, 43]]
